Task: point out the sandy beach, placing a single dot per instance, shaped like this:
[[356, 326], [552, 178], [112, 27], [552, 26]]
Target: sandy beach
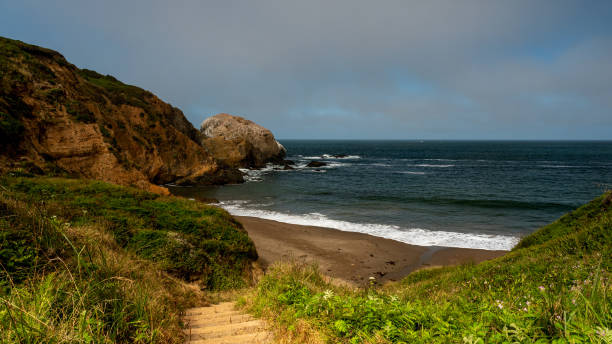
[[348, 256]]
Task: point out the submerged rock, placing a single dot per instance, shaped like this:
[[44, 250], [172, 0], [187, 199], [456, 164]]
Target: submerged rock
[[316, 164]]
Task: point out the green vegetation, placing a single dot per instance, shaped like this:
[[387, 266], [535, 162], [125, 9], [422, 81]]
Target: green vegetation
[[11, 129], [90, 262], [61, 283], [554, 287], [118, 92], [12, 51], [188, 239], [80, 112]]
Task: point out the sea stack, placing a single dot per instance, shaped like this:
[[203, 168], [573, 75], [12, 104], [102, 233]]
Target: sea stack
[[238, 142]]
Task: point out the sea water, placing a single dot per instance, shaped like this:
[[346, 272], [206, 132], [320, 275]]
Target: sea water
[[472, 194]]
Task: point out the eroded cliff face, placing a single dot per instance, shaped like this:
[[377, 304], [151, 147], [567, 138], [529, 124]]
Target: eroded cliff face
[[239, 142], [54, 116]]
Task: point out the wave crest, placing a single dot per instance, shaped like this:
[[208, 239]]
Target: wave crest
[[413, 236]]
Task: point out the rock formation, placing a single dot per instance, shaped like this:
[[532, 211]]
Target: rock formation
[[316, 164], [57, 118], [238, 142]]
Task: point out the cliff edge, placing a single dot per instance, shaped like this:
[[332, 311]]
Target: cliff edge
[[59, 118]]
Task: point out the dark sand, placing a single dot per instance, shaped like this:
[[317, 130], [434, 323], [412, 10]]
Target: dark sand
[[348, 256]]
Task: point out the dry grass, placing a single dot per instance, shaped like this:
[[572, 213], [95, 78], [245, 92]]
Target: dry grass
[[84, 288]]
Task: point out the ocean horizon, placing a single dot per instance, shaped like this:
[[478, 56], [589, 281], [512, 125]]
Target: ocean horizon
[[483, 194]]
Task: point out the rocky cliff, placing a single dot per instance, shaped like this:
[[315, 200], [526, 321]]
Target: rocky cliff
[[239, 142], [57, 117]]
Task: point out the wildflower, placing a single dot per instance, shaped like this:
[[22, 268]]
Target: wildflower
[[527, 303], [574, 301], [327, 294], [541, 288], [602, 331], [524, 309]]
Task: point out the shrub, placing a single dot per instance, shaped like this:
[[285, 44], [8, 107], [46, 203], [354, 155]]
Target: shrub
[[11, 129], [191, 240], [77, 286], [80, 112]]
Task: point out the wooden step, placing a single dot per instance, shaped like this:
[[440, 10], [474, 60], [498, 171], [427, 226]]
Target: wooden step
[[220, 308], [225, 330], [213, 315], [234, 319], [261, 337], [223, 324]]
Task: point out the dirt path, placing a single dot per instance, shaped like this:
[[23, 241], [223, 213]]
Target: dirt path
[[223, 324]]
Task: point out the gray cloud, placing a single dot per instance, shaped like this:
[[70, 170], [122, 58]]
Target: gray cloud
[[351, 69]]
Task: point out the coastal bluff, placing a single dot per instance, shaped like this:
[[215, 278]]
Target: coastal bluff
[[238, 142], [58, 119]]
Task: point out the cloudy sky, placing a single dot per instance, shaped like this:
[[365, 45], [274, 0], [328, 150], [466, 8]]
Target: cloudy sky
[[350, 69]]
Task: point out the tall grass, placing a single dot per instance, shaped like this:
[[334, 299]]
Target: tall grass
[[72, 281], [188, 239], [554, 287]]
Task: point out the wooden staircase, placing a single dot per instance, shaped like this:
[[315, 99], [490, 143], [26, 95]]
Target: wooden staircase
[[223, 324]]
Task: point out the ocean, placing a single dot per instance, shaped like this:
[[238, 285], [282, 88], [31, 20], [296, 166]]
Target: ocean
[[471, 194]]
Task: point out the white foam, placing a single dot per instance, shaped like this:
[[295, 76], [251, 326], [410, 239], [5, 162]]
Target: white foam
[[561, 166], [432, 165], [335, 164], [331, 157], [411, 172], [413, 236], [256, 175]]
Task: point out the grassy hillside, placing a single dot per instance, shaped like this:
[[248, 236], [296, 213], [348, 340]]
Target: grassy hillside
[[553, 287], [85, 261]]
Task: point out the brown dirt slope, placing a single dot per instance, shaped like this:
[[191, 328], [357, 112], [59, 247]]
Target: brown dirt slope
[[55, 116]]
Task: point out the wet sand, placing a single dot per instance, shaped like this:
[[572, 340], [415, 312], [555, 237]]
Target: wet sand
[[348, 256]]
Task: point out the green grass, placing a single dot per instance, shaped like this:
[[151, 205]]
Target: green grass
[[554, 287], [61, 283], [190, 240], [89, 262], [118, 92]]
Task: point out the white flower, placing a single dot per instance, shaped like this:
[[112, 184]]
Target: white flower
[[327, 294]]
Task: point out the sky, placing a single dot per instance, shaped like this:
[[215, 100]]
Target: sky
[[350, 69]]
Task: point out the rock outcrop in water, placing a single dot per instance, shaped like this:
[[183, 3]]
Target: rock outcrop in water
[[57, 118], [238, 142]]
